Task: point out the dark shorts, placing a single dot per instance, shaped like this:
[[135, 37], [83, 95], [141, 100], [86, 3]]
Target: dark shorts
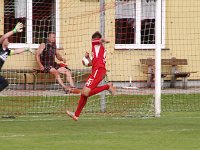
[[1, 63], [47, 68], [3, 83]]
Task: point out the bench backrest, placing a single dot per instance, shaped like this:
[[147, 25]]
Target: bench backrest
[[171, 62]]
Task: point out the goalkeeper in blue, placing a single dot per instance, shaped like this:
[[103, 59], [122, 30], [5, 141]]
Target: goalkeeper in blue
[[5, 51]]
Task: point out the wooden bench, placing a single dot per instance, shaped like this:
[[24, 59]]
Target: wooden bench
[[174, 72], [15, 72], [79, 75]]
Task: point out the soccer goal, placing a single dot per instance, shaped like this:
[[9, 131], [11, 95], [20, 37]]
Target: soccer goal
[[152, 57]]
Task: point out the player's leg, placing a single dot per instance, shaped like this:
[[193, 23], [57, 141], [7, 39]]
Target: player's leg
[[58, 78], [93, 80], [90, 89], [3, 83], [99, 76], [83, 100], [99, 89], [112, 89], [72, 115], [67, 72], [81, 104]]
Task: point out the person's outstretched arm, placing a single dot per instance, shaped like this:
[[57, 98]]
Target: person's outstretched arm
[[103, 40], [87, 55], [19, 50], [18, 28]]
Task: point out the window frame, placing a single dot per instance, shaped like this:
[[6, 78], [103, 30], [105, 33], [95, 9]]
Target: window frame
[[138, 19], [29, 31]]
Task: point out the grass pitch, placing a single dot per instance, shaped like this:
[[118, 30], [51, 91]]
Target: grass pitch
[[172, 131]]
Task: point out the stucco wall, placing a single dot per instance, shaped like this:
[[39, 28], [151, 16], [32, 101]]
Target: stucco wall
[[79, 19]]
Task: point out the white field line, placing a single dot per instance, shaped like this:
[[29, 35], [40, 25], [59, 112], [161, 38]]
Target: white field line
[[21, 135], [131, 87], [84, 118], [12, 136]]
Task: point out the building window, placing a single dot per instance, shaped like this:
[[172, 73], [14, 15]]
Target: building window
[[135, 24], [38, 16], [12, 15], [125, 22]]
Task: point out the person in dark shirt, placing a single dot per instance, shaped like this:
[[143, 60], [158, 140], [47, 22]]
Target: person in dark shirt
[[45, 57], [5, 51]]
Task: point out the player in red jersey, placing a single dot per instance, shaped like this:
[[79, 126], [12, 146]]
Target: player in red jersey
[[98, 73]]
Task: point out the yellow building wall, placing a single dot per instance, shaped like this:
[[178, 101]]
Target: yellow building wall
[[1, 16], [182, 33], [78, 22], [182, 41], [80, 19]]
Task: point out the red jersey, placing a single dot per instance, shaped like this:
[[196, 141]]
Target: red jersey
[[98, 54]]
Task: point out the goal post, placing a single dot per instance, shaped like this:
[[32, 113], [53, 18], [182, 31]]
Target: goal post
[[158, 33], [102, 30]]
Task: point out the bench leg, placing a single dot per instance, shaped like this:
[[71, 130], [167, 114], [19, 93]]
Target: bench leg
[[149, 80], [185, 81], [25, 81], [34, 81], [148, 83], [173, 82], [150, 76], [162, 83]]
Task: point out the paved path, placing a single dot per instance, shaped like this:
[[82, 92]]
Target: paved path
[[126, 91]]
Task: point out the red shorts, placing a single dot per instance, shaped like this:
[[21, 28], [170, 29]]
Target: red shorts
[[95, 78]]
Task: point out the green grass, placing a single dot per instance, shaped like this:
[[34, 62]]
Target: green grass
[[57, 104], [180, 102], [172, 131], [128, 104]]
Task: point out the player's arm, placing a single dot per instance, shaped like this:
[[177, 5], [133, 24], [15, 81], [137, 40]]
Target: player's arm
[[18, 28], [59, 57], [103, 40], [37, 55], [87, 55], [18, 51]]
